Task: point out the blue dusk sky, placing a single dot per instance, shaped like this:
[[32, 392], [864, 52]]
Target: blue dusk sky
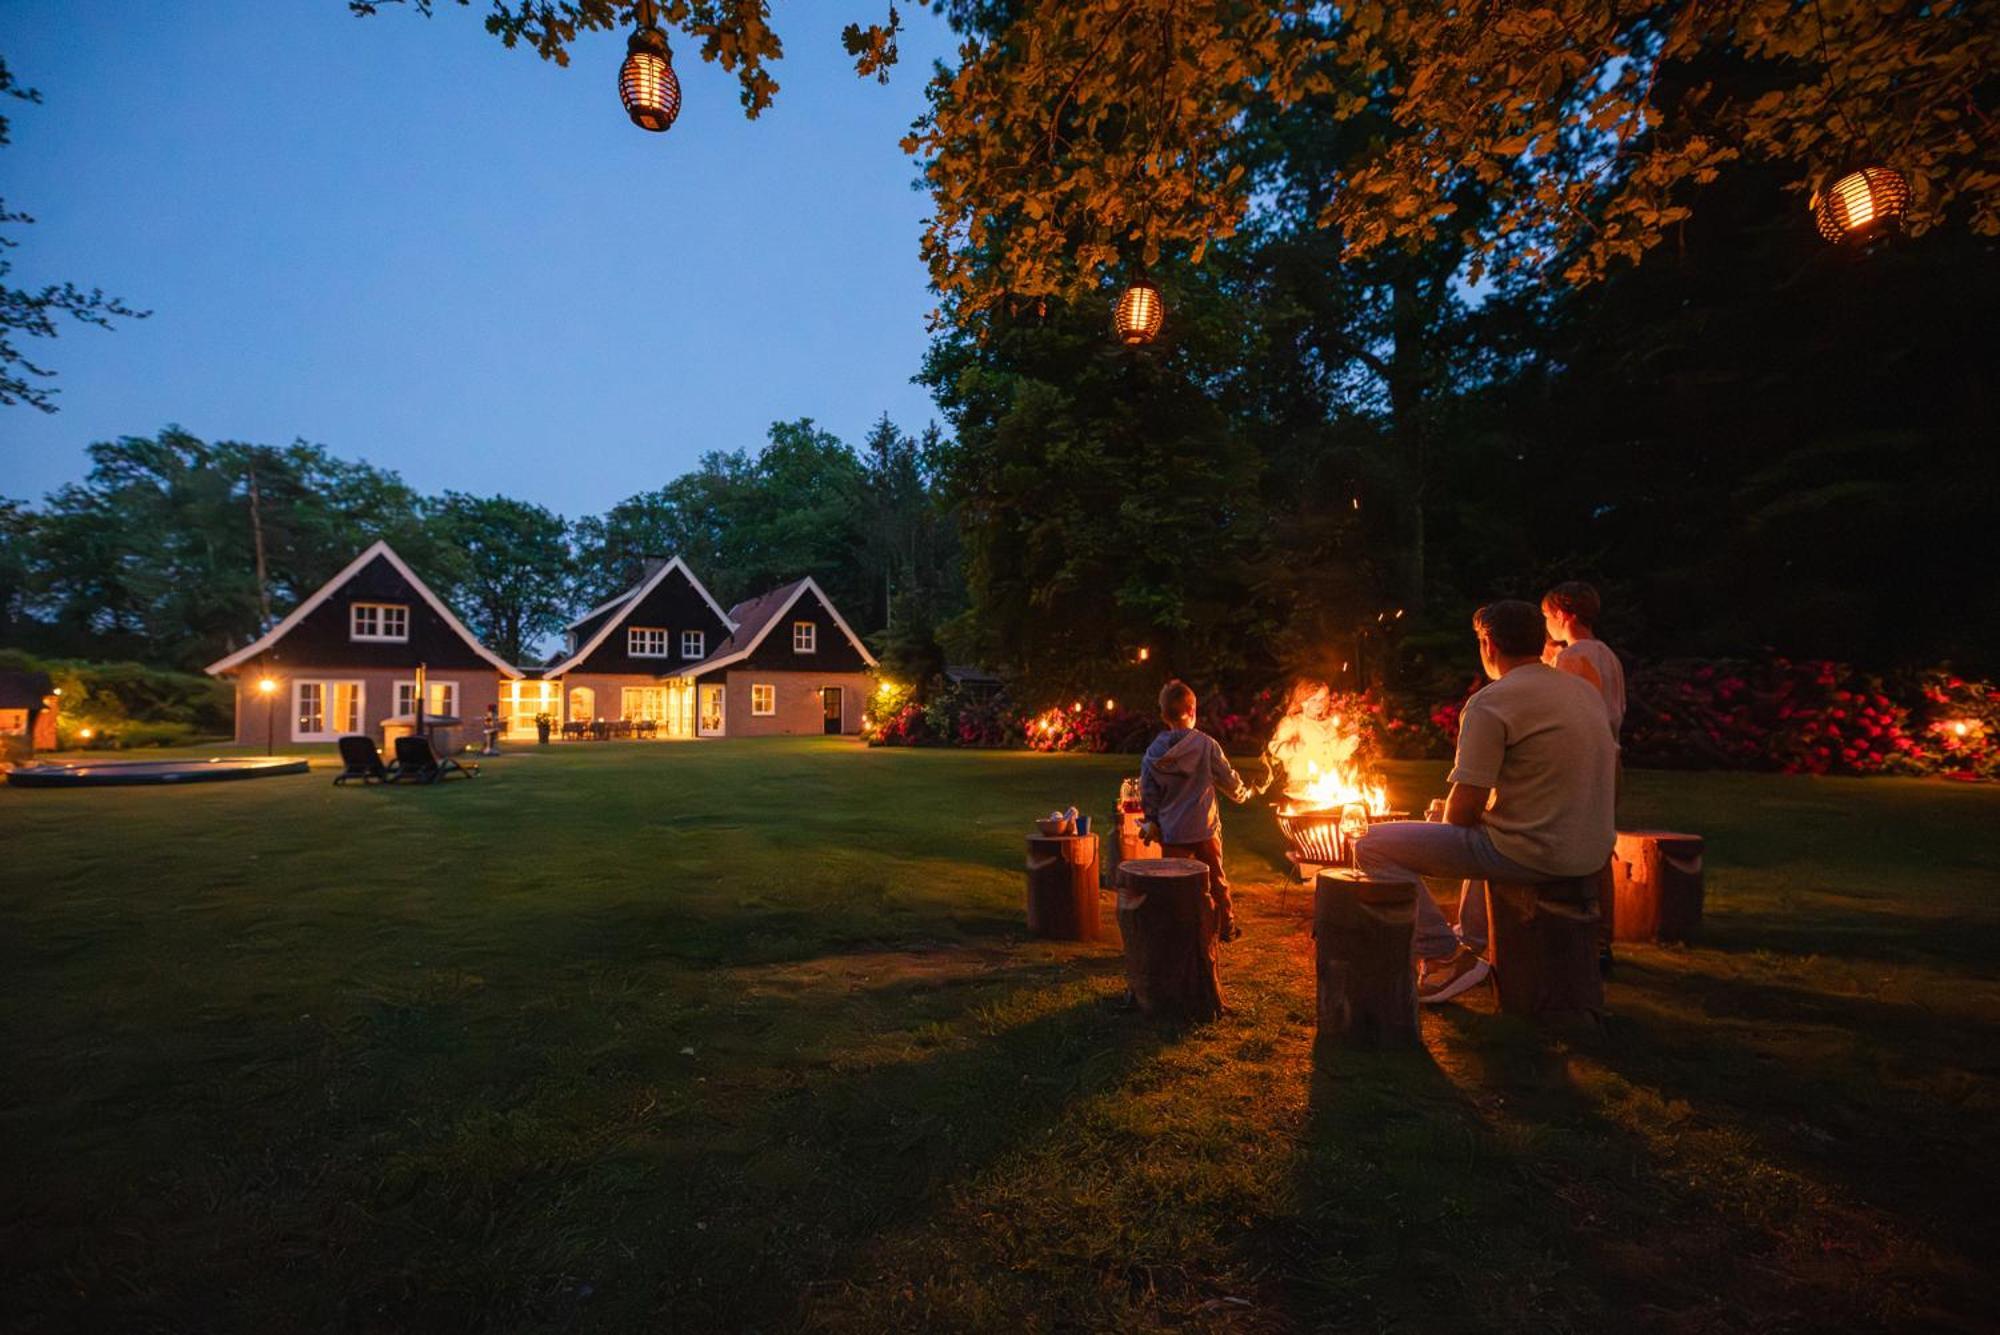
[[399, 239]]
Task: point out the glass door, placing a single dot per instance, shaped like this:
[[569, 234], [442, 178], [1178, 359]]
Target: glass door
[[712, 717]]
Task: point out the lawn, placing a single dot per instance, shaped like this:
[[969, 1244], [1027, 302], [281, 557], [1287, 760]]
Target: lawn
[[747, 1035]]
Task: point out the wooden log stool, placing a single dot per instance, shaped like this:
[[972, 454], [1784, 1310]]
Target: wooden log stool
[[1062, 886], [1367, 985], [1656, 885], [1168, 924], [1545, 943], [1125, 843]]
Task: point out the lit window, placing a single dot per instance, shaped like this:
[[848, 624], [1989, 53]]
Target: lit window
[[324, 710], [694, 643], [379, 621], [443, 698], [763, 699], [646, 641], [805, 637]]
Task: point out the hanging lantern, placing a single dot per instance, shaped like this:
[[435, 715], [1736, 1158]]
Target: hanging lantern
[[1862, 204], [1139, 313], [646, 82]]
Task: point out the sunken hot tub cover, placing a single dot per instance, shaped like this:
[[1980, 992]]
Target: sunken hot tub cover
[[103, 773]]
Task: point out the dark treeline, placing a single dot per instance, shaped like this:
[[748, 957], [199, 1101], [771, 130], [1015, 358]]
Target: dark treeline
[[153, 556]]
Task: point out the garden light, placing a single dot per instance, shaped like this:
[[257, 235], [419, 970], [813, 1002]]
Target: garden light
[[647, 84], [1862, 205], [1139, 313]]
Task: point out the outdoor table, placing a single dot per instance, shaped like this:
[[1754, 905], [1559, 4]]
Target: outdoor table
[[1062, 886]]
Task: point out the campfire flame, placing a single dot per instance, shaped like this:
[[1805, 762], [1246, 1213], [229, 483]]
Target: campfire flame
[[1332, 789]]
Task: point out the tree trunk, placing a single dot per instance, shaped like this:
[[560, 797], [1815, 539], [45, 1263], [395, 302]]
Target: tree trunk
[[1545, 941], [1062, 887], [1367, 985], [1656, 886], [1168, 924]]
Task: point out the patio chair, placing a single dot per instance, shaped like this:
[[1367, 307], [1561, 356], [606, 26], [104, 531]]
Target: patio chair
[[363, 760], [418, 761], [574, 730]]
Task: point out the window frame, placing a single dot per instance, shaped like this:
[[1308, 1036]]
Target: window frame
[[808, 643], [699, 639], [410, 684], [632, 649], [770, 690], [325, 686], [379, 635]]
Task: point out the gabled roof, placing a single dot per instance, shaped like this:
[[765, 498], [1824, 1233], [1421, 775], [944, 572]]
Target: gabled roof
[[604, 606], [326, 590], [631, 599], [757, 615]]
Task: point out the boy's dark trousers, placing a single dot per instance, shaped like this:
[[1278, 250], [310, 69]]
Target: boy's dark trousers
[[1209, 854]]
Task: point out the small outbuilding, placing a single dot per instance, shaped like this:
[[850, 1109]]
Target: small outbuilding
[[29, 706]]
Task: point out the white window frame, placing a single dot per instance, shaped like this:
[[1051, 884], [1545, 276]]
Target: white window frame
[[632, 642], [406, 697], [805, 637], [770, 706], [694, 643], [325, 685], [380, 634]]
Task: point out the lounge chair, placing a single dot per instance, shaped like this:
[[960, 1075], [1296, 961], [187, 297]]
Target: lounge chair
[[418, 761], [363, 760]]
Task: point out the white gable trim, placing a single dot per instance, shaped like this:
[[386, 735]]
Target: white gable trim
[[601, 607], [638, 596], [326, 590], [779, 615]]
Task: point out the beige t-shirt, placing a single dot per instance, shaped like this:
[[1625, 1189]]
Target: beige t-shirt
[[1539, 739]]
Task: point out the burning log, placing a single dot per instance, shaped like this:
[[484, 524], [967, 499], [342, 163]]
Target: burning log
[[1367, 987], [1329, 798], [1656, 886], [1545, 940], [1168, 924], [1062, 887]]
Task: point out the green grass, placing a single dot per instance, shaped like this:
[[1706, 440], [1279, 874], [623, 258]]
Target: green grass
[[747, 1035]]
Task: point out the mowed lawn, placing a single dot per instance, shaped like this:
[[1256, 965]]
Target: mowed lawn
[[748, 1035]]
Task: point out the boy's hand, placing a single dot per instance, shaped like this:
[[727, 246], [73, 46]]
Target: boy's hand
[[1149, 832]]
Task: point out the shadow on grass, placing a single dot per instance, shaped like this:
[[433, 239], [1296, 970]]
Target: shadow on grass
[[1850, 933]]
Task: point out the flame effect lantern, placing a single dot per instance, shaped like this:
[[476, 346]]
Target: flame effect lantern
[[646, 81], [1862, 204], [1140, 313]]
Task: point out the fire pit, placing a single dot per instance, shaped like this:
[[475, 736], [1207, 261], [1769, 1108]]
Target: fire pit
[[1324, 836]]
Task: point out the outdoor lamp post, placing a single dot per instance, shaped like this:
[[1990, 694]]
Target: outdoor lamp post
[[647, 84], [1862, 204], [1139, 313], [268, 688]]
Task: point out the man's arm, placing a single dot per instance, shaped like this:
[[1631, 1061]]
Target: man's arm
[[1227, 780], [1466, 805]]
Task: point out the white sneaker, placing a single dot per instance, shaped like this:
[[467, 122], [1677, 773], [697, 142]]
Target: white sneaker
[[1461, 973]]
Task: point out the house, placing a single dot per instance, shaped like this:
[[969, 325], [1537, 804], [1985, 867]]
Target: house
[[629, 658], [346, 658], [28, 707], [791, 665]]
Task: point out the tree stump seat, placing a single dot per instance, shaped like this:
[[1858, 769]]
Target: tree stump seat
[[1062, 887], [1367, 987], [1656, 886], [1168, 925], [1545, 938]]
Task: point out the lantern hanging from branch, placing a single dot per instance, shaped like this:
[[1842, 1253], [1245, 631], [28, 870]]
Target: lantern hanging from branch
[[1139, 313], [1862, 204], [647, 84]]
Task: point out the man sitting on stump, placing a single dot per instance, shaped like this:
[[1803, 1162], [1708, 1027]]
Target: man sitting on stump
[[1531, 797], [1177, 783]]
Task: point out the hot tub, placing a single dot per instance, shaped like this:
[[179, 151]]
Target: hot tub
[[102, 773]]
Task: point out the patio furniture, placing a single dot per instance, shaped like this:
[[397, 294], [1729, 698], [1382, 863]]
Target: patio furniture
[[1545, 940], [1362, 929], [646, 727], [621, 728], [575, 730], [1168, 925], [363, 761], [600, 730], [419, 762], [1656, 886], [1062, 886]]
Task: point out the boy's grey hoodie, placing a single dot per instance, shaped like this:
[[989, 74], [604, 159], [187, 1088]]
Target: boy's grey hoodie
[[1177, 784]]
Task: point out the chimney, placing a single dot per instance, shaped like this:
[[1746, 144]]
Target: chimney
[[649, 566]]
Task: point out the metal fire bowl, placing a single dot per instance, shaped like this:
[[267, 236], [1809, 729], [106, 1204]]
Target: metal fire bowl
[[1314, 836]]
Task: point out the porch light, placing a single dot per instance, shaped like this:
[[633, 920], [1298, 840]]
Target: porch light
[[647, 84], [266, 685], [1862, 205], [1139, 313]]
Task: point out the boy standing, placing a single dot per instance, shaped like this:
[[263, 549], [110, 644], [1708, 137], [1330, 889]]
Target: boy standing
[[1178, 780], [1569, 613]]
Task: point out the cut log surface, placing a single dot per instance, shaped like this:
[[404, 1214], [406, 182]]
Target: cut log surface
[[1545, 944], [1168, 924], [1062, 886], [1363, 930], [1657, 886]]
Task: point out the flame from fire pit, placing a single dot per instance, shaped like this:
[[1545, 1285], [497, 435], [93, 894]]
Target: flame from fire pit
[[1333, 789]]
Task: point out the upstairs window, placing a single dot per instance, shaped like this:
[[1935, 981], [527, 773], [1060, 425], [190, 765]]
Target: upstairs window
[[694, 643], [805, 637], [379, 621], [646, 641]]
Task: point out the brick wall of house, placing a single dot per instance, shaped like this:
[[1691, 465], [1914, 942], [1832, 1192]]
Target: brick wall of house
[[798, 705], [476, 691]]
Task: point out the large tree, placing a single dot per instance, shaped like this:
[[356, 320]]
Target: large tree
[[509, 568]]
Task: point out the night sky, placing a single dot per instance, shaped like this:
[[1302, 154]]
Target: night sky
[[396, 238]]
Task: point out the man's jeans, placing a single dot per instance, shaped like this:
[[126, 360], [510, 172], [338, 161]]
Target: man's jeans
[[1409, 850]]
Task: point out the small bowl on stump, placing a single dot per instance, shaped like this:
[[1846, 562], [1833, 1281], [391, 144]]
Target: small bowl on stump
[[1052, 826]]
